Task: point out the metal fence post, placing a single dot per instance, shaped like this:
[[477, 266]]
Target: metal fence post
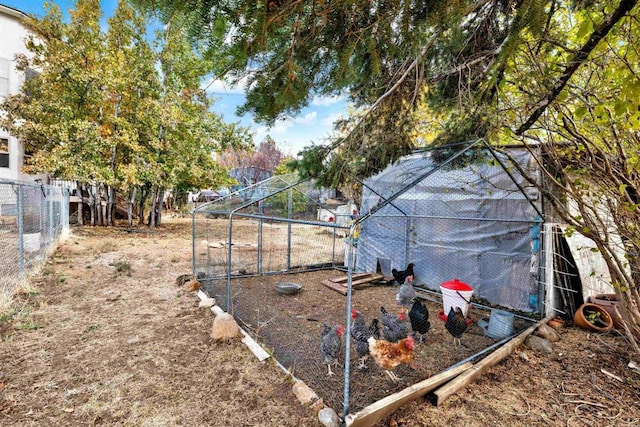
[[289, 215], [229, 263], [64, 217], [193, 244], [48, 195], [260, 211], [20, 220]]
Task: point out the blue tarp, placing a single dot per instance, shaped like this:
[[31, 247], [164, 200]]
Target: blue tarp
[[472, 223]]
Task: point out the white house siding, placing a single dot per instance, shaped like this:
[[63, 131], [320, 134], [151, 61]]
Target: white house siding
[[12, 42]]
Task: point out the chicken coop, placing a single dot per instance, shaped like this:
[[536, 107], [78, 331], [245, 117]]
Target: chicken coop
[[464, 212]]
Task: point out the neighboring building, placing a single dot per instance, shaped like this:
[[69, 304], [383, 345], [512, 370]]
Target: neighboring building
[[12, 42]]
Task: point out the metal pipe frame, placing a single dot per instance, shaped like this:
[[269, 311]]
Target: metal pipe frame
[[415, 182]]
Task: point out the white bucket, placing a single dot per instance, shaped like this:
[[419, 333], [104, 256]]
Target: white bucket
[[500, 324], [455, 297]]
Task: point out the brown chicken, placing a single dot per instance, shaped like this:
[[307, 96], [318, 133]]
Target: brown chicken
[[389, 355]]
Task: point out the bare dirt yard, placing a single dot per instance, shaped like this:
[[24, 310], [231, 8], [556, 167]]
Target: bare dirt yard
[[106, 337]]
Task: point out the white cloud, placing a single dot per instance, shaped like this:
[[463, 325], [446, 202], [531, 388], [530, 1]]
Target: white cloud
[[307, 119], [280, 129], [277, 131], [260, 133], [330, 119], [325, 101]]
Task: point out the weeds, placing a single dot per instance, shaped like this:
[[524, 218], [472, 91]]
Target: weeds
[[122, 266], [29, 325], [92, 327], [20, 314], [108, 246]]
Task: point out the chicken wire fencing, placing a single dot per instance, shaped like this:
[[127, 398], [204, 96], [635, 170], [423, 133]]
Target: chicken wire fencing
[[472, 220], [32, 218]]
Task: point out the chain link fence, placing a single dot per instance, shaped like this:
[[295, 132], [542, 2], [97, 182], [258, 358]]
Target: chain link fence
[[471, 221], [32, 219]]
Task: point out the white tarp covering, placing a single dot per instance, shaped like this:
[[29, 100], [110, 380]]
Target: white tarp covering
[[471, 223]]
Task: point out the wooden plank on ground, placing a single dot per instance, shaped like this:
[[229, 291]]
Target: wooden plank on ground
[[380, 409], [335, 286], [482, 366], [364, 280], [344, 279]]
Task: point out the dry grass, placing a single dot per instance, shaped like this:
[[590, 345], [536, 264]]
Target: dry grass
[[90, 345], [6, 303], [110, 339]]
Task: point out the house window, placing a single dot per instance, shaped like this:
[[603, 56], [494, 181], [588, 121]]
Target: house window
[[4, 153], [4, 77]]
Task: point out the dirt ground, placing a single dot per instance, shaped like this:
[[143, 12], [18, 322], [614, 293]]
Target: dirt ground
[[290, 327], [107, 338]]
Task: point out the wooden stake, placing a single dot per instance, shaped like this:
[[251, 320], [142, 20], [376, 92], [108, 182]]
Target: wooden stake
[[383, 407], [483, 366]]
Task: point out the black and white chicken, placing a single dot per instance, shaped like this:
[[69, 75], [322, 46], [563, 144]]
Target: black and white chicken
[[419, 319], [361, 333], [456, 324], [331, 344], [394, 328]]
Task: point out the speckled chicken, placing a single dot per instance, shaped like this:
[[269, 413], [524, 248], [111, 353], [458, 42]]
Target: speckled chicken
[[419, 319], [393, 327], [406, 294], [331, 344], [456, 324], [360, 333]]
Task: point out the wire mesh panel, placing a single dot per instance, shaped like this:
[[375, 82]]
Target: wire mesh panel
[[9, 251], [32, 218], [471, 220], [268, 228]]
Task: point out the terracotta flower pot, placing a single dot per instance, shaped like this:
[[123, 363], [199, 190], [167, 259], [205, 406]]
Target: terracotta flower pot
[[593, 317], [609, 302]]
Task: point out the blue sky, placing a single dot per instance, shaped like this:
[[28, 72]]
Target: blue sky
[[312, 124]]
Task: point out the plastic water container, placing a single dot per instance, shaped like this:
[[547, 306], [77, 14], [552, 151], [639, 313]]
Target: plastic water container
[[455, 294], [500, 324]]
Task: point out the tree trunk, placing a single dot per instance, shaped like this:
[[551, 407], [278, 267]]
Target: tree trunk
[[92, 204], [80, 188], [130, 203], [151, 220], [144, 193], [160, 205], [110, 205], [99, 211]]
